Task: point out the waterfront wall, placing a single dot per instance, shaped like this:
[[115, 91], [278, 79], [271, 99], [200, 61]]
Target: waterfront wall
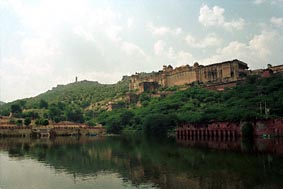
[[269, 127], [272, 127], [22, 131], [212, 130]]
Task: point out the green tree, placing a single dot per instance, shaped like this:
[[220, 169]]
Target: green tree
[[22, 103], [16, 108], [45, 122], [144, 97], [113, 125], [32, 114], [158, 125], [19, 122], [91, 122], [126, 116], [75, 115], [54, 112], [37, 122], [4, 112], [41, 122], [43, 104], [27, 121]]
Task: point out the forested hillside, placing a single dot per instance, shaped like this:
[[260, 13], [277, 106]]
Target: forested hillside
[[67, 102], [257, 98]]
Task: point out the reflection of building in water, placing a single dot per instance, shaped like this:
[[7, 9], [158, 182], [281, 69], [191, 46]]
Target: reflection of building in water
[[274, 146], [213, 143], [218, 73], [158, 165]]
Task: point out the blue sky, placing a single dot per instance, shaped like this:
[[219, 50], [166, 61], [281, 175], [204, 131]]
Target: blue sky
[[50, 42]]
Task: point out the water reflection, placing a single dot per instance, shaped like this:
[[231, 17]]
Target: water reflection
[[256, 145], [137, 162]]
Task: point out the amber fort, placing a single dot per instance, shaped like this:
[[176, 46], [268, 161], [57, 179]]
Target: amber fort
[[219, 75]]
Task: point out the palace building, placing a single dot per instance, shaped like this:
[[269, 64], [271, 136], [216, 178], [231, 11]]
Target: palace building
[[218, 73]]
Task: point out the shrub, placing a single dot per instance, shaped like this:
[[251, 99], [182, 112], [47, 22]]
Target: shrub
[[158, 124], [27, 121], [19, 122]]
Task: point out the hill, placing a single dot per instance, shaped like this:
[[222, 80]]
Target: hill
[[79, 96], [257, 98], [82, 93], [2, 103]]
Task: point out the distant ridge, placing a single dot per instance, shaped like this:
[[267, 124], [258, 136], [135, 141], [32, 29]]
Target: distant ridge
[[82, 93]]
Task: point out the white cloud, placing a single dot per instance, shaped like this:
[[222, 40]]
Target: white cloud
[[130, 22], [48, 17], [258, 2], [23, 76], [131, 48], [277, 21], [83, 33], [184, 58], [273, 2], [167, 54], [106, 77], [163, 30], [211, 40], [261, 50], [37, 56], [103, 21], [62, 39], [215, 17], [159, 47], [4, 4], [179, 58]]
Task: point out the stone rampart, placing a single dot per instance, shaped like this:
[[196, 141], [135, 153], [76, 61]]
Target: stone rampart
[[218, 73]]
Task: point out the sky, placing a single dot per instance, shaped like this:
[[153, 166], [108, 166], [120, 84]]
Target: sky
[[50, 42]]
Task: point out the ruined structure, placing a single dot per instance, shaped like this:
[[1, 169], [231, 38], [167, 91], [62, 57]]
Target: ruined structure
[[218, 73], [270, 70], [115, 105]]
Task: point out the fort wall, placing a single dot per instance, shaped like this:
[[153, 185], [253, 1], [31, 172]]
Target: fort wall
[[64, 128], [224, 72], [180, 76], [269, 127]]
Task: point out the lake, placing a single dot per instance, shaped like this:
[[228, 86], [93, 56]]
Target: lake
[[138, 162]]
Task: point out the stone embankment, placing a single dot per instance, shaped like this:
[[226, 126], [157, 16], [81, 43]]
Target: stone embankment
[[266, 128], [57, 129]]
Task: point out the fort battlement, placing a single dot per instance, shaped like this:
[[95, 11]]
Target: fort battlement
[[218, 73]]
